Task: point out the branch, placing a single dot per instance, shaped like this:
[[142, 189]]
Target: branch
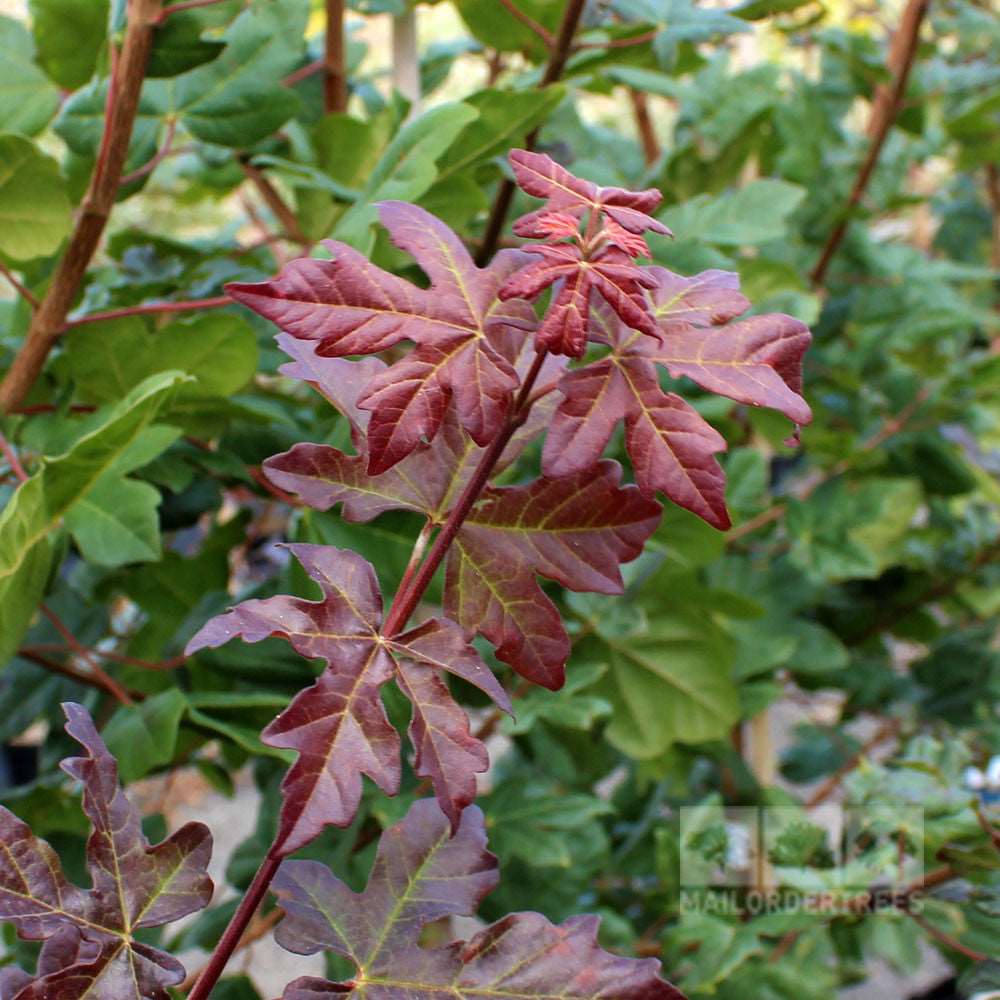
[[620, 43], [123, 101], [257, 929], [334, 64], [548, 39], [644, 126], [406, 601], [7, 449], [560, 52], [946, 939], [233, 934], [184, 5], [274, 201], [98, 681], [885, 732], [150, 309], [21, 290], [304, 72], [890, 427], [885, 109], [106, 680], [157, 158]]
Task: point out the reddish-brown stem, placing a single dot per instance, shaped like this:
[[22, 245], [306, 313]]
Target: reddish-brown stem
[[123, 102], [21, 290], [274, 201], [304, 72], [184, 5], [558, 55], [988, 828], [406, 600], [98, 681], [154, 161], [105, 654], [644, 125], [892, 426], [150, 309], [419, 548], [885, 732], [529, 22], [885, 108], [946, 939], [233, 934], [107, 681], [334, 63], [620, 43], [7, 449], [254, 932]]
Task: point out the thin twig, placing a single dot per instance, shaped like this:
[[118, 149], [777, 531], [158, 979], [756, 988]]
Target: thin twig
[[644, 126], [619, 43], [157, 158], [108, 682], [890, 427], [129, 69], [406, 601], [946, 939], [259, 927], [175, 8], [151, 309], [548, 39], [334, 62], [12, 460], [98, 681], [988, 828], [21, 290], [559, 53], [304, 72], [885, 732], [274, 201], [885, 109]]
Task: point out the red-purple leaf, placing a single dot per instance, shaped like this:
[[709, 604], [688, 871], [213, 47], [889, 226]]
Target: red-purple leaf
[[756, 360], [90, 950], [421, 875], [576, 530], [490, 584], [338, 725], [462, 330], [613, 275], [670, 445], [539, 175], [672, 449]]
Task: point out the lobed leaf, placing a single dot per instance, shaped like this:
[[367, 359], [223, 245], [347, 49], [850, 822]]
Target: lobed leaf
[[422, 873], [541, 176], [463, 352], [756, 361], [90, 948], [338, 725]]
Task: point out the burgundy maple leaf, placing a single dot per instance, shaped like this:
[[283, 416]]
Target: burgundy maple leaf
[[539, 175], [756, 360], [90, 948], [612, 274], [575, 529], [421, 874], [338, 725], [464, 334]]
